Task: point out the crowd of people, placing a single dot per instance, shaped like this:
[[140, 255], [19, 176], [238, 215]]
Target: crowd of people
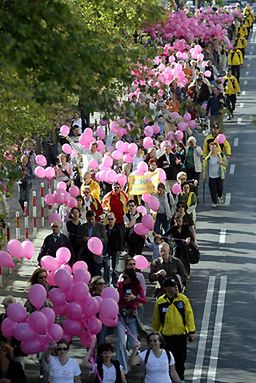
[[116, 174]]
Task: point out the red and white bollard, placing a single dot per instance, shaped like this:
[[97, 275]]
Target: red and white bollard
[[34, 214], [26, 213], [42, 203], [17, 230]]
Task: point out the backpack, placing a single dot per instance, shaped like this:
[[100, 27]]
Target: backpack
[[193, 253], [146, 361]]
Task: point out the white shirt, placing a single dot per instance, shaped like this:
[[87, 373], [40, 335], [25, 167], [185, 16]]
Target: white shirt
[[157, 369], [59, 373], [109, 373]]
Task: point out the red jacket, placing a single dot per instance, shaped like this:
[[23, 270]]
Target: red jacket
[[135, 289]]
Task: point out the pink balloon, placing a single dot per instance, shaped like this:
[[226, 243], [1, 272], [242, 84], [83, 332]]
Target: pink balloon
[[148, 142], [86, 339], [93, 164], [64, 130], [14, 248], [148, 221], [37, 295], [79, 265], [55, 331], [63, 279], [148, 131], [31, 346], [101, 146], [156, 129], [67, 149], [111, 176], [49, 263], [6, 260], [182, 126], [120, 146], [79, 291], [50, 279], [141, 262], [192, 124], [28, 249], [132, 148], [41, 160], [49, 314], [94, 325], [187, 117], [91, 307], [207, 73], [23, 331], [54, 217], [73, 311], [60, 196], [221, 138], [142, 167], [74, 191], [110, 292], [140, 229], [81, 275], [179, 135], [16, 312], [117, 155], [95, 246], [49, 173], [62, 185], [109, 308], [128, 158], [57, 296], [109, 322], [153, 203], [175, 115], [141, 209], [7, 327], [107, 161], [176, 188], [146, 197], [72, 327], [60, 309], [100, 132], [40, 172], [38, 322], [63, 255], [121, 179], [72, 202], [49, 199], [88, 132]]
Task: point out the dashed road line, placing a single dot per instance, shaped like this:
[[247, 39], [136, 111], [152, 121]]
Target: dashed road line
[[227, 199], [245, 82], [236, 141], [243, 92], [241, 105], [239, 120], [223, 233], [232, 169]]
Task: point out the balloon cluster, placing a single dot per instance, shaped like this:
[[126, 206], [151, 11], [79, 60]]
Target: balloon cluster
[[82, 315], [16, 249], [41, 171]]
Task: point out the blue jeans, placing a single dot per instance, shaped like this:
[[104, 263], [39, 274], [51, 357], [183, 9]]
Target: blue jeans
[[161, 220], [132, 330]]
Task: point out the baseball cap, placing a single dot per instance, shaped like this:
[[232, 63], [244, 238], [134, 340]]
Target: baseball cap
[[170, 282]]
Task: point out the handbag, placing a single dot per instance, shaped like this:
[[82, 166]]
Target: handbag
[[193, 253]]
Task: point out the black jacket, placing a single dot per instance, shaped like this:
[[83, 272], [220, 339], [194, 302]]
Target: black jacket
[[115, 242], [50, 247], [171, 169]]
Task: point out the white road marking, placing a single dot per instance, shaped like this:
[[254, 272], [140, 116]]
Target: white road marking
[[246, 73], [239, 120], [227, 199], [232, 169], [249, 58], [204, 330], [236, 141], [248, 66], [245, 82], [223, 233], [243, 92], [211, 376], [241, 105]]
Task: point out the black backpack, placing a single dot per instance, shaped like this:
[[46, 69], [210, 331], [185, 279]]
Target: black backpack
[[193, 253]]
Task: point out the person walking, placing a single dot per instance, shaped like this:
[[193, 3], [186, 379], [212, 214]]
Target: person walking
[[173, 317], [166, 209], [231, 90], [214, 167]]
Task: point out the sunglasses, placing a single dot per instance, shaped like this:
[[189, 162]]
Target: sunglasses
[[132, 264], [87, 192], [110, 219], [55, 226], [62, 349], [100, 283]]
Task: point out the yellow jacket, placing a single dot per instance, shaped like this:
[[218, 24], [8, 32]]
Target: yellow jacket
[[94, 188], [235, 57], [241, 42], [173, 316], [225, 147], [231, 85]]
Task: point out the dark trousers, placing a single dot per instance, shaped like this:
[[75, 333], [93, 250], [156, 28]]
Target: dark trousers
[[231, 102], [161, 221], [216, 188], [177, 344], [235, 69], [192, 174], [113, 257], [135, 244]]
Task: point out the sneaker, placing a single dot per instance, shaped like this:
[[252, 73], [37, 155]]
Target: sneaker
[[220, 200], [214, 205], [229, 118]]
